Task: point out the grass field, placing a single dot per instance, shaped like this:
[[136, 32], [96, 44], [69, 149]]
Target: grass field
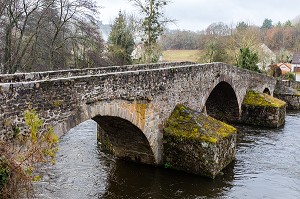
[[181, 55]]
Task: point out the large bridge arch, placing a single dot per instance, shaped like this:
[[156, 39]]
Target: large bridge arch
[[131, 127], [222, 102], [124, 139]]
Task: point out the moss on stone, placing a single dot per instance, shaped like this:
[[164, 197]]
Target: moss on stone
[[297, 92], [254, 98], [57, 103], [185, 124]]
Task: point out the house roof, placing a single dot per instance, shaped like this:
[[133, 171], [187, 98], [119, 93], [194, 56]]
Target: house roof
[[267, 50], [285, 64], [296, 58]]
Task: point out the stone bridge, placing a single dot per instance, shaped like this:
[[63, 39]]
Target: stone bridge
[[130, 103]]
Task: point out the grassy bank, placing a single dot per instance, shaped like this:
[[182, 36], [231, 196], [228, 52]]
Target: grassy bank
[[181, 55]]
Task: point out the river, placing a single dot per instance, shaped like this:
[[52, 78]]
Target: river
[[267, 166]]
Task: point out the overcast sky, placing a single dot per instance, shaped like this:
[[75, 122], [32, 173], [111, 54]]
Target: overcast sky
[[198, 14]]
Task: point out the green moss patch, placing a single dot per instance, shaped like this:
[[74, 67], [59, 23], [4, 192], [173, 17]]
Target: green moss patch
[[297, 92], [254, 98], [4, 172], [185, 124], [57, 103]]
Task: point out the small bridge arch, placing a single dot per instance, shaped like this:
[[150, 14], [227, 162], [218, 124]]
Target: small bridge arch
[[267, 91]]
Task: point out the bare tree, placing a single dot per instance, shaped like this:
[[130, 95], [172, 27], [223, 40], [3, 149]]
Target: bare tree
[[41, 34]]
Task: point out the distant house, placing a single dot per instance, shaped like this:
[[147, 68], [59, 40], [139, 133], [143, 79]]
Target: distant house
[[285, 67], [267, 56], [296, 65], [138, 51]]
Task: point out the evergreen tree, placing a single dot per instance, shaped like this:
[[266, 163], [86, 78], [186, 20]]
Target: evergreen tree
[[267, 24], [121, 41], [247, 59], [288, 24], [242, 26]]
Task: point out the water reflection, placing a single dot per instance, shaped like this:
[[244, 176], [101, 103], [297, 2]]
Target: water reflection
[[129, 180], [266, 166]]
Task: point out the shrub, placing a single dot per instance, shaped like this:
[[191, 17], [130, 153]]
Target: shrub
[[4, 171], [22, 156], [289, 76]]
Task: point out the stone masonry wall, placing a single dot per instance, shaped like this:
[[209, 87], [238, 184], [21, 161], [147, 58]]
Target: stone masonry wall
[[291, 84], [289, 91]]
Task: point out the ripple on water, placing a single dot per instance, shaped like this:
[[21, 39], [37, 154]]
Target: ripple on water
[[266, 166]]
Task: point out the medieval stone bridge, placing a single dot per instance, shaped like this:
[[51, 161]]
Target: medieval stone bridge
[[130, 103]]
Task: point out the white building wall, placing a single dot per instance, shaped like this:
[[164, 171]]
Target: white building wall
[[297, 77]]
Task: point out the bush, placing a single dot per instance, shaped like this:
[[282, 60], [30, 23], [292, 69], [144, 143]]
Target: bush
[[20, 158], [289, 76], [4, 171], [14, 183]]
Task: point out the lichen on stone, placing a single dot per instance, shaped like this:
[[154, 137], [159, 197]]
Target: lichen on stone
[[57, 103], [254, 98], [185, 125]]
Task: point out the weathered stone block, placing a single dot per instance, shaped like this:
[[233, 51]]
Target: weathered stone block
[[288, 91], [263, 110], [292, 100], [196, 143]]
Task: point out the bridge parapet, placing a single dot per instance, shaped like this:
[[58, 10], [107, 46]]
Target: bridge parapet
[[36, 76]]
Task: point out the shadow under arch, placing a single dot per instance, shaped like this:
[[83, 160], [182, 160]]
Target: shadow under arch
[[124, 139], [267, 91], [222, 103]]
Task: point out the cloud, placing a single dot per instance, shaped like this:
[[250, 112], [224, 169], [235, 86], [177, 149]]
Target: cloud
[[198, 14]]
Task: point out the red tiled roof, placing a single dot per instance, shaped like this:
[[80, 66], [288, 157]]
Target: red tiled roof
[[285, 64]]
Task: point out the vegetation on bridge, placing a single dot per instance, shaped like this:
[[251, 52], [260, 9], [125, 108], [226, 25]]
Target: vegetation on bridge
[[196, 143], [186, 125], [261, 99], [263, 110]]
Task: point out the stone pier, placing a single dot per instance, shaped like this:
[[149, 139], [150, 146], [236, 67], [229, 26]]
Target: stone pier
[[261, 109], [196, 143]]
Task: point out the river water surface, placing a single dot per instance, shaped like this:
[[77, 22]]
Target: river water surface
[[267, 165]]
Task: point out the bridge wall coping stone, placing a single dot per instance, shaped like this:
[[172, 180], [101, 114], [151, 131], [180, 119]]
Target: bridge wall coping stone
[[46, 75]]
